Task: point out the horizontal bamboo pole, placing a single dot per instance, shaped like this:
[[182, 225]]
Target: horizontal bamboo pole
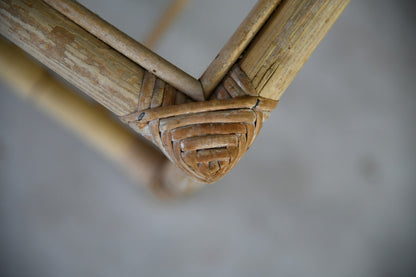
[[285, 43], [235, 46], [129, 47], [86, 62], [90, 122]]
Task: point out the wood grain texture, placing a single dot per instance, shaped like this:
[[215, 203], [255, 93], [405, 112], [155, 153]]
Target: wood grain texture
[[129, 47], [285, 43], [104, 74], [92, 123], [237, 43]]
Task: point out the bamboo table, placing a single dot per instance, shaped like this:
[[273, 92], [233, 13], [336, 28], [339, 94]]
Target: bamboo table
[[204, 126]]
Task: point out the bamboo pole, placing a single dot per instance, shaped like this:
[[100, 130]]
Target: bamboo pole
[[237, 43], [86, 62], [129, 47], [91, 123], [285, 43], [175, 8]]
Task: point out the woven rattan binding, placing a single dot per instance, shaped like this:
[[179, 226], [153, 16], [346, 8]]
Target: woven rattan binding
[[204, 139]]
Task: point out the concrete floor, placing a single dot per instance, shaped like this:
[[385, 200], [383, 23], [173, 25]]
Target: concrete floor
[[326, 190]]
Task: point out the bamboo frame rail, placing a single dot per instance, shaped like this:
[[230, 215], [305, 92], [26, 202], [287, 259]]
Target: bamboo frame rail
[[237, 43], [91, 123], [86, 62], [288, 39], [129, 47], [204, 139]]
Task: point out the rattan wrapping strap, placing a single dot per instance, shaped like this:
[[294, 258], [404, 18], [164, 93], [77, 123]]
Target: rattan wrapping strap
[[204, 139]]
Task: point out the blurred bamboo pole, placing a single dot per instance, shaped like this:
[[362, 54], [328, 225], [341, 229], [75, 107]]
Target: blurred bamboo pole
[[91, 122], [175, 8]]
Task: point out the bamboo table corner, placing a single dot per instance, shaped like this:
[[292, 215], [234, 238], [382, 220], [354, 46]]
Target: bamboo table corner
[[202, 126]]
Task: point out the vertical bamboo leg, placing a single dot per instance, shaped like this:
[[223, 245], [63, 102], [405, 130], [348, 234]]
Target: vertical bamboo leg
[[91, 122], [175, 8]]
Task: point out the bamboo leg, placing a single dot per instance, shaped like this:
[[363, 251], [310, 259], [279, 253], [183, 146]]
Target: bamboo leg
[[175, 8], [91, 122]]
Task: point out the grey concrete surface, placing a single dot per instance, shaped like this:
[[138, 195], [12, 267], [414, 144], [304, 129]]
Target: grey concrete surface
[[327, 189]]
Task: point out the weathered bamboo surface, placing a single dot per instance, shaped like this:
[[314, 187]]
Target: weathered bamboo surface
[[129, 47], [237, 43], [90, 122], [285, 43], [86, 62]]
